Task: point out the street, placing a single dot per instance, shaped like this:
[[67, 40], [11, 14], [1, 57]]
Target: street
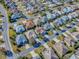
[[5, 32]]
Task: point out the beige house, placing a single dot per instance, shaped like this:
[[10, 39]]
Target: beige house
[[30, 36], [28, 23], [49, 54], [60, 48]]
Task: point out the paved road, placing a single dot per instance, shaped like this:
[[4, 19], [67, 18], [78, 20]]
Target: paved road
[[5, 33]]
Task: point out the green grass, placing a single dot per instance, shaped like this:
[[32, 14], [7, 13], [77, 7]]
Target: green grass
[[50, 43], [73, 30], [0, 21], [60, 37], [2, 55], [0, 14], [12, 33], [25, 57], [39, 50], [1, 41]]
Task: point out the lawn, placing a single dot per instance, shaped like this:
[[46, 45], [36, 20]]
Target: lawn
[[2, 56], [12, 33], [60, 37], [50, 43], [1, 41], [39, 50]]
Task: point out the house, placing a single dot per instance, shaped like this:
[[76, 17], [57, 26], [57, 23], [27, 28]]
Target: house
[[58, 22], [36, 21], [76, 34], [49, 15], [65, 18], [57, 12], [73, 57], [74, 7], [43, 20], [40, 20], [69, 16], [31, 36], [36, 57], [41, 8], [77, 54], [47, 26], [73, 15], [67, 10], [28, 23], [21, 40], [54, 15], [60, 48], [40, 30], [77, 12], [17, 15], [49, 54], [69, 41], [62, 20], [55, 1], [19, 28], [8, 1], [30, 7], [12, 5]]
